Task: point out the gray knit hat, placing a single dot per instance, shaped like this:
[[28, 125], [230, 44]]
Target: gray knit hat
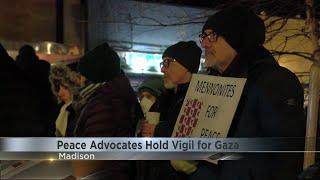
[[153, 86]]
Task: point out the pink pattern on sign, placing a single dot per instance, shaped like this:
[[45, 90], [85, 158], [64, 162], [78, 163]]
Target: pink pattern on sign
[[189, 118]]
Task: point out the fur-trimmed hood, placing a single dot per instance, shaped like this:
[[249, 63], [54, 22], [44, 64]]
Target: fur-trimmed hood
[[61, 74]]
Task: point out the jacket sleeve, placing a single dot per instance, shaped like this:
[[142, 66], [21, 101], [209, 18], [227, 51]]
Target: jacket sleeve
[[163, 129], [168, 115], [280, 105], [108, 120], [166, 124], [279, 113]]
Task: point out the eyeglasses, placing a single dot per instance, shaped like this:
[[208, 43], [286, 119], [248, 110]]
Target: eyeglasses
[[166, 63], [212, 36]]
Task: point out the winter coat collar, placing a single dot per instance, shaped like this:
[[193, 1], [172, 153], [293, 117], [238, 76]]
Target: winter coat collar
[[183, 88], [245, 62]]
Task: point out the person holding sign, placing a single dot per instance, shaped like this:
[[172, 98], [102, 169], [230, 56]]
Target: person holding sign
[[179, 62], [271, 104]]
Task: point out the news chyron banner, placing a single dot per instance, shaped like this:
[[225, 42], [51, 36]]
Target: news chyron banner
[[125, 148], [209, 107]]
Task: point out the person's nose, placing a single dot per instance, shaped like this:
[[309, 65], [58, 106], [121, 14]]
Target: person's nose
[[60, 93], [206, 43], [163, 69]]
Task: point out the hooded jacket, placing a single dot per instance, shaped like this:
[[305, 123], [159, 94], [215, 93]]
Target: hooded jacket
[[110, 112]]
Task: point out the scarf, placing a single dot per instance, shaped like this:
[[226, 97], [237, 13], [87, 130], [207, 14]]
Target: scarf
[[81, 98], [62, 121]]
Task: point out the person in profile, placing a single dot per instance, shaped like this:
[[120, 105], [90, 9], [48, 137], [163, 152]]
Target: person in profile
[[64, 82], [233, 42], [106, 105], [179, 62]]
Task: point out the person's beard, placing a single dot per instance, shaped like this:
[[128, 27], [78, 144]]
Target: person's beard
[[169, 84]]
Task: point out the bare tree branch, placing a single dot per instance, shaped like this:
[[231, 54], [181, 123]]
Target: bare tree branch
[[305, 55]]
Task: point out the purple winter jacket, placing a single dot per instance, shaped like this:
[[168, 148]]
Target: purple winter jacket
[[110, 112]]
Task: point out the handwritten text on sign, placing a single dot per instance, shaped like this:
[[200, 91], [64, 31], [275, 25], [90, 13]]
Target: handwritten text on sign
[[209, 106]]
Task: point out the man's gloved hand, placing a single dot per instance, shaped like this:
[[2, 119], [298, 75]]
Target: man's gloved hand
[[187, 167]]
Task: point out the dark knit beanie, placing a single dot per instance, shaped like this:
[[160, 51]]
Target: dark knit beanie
[[153, 86], [100, 64], [240, 27], [187, 54]]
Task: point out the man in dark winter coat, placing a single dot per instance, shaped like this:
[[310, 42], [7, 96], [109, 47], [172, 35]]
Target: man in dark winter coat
[[272, 101], [107, 109], [19, 102], [179, 62]]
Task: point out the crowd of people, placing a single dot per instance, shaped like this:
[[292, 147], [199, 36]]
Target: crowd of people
[[94, 98]]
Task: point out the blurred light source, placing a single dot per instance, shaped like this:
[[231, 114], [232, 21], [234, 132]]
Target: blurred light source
[[143, 62], [263, 13], [49, 48]]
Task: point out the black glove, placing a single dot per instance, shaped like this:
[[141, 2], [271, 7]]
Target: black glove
[[311, 173]]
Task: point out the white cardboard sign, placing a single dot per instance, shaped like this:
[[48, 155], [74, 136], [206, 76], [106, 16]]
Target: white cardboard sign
[[209, 106]]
